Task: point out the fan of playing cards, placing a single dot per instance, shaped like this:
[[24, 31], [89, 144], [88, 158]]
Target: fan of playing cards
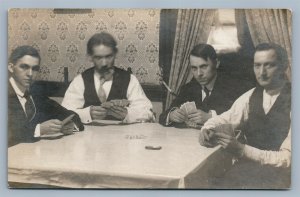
[[117, 102], [189, 108]]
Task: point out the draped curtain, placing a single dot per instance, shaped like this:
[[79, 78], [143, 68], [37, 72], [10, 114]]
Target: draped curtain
[[193, 27], [268, 25]]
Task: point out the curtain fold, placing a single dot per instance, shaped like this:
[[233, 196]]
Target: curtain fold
[[270, 25], [167, 29], [193, 27]]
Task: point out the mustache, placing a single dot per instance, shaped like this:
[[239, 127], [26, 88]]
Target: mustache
[[105, 69]]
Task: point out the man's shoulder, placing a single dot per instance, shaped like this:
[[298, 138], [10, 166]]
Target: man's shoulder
[[122, 74], [11, 91], [88, 71], [122, 71], [191, 84]]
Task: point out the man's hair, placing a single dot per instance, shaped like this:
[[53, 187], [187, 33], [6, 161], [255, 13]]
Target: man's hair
[[205, 51], [280, 52], [21, 51], [101, 39]]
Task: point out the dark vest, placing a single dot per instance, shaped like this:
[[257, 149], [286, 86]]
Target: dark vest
[[121, 79], [268, 131]]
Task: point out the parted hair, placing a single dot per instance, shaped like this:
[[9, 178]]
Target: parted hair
[[21, 51], [205, 51], [102, 38], [279, 50]]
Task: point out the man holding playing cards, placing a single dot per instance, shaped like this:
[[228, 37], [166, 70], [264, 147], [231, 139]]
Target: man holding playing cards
[[263, 148], [105, 91], [208, 93], [31, 115]]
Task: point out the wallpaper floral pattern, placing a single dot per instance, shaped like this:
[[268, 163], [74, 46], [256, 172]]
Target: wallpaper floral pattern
[[61, 38]]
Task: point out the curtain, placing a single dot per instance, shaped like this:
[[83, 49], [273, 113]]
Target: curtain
[[167, 29], [269, 25], [193, 27]]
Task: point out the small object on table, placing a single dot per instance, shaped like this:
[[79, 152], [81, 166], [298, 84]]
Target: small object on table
[[153, 147]]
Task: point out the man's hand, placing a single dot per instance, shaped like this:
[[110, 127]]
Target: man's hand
[[118, 112], [98, 112], [199, 117], [230, 143], [50, 127], [68, 128], [207, 138], [177, 115]]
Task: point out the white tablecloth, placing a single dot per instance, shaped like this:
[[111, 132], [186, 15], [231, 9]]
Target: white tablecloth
[[115, 156]]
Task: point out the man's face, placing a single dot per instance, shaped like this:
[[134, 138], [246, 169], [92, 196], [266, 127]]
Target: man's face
[[268, 71], [103, 58], [24, 71], [202, 70]]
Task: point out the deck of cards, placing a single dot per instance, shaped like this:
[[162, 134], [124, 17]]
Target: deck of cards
[[189, 108]]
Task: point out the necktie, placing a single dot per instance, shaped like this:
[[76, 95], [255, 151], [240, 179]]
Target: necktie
[[205, 100], [29, 106], [206, 93], [101, 93]]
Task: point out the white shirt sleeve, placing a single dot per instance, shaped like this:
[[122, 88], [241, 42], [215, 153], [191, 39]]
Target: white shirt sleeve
[[37, 131], [281, 158], [168, 122], [74, 99], [236, 116], [140, 107]]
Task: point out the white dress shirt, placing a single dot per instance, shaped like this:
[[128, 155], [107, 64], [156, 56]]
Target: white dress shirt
[[140, 107], [23, 100], [238, 115]]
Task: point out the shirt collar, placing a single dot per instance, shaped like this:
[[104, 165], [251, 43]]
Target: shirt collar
[[270, 96], [15, 87]]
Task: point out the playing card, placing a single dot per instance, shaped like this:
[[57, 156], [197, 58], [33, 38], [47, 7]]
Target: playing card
[[107, 104], [183, 108], [68, 119], [125, 102], [191, 107], [192, 124], [116, 102]]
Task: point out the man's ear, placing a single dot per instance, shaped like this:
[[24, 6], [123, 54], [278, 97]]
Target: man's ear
[[11, 67], [218, 63]]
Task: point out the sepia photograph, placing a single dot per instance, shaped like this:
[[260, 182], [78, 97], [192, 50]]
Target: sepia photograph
[[149, 98]]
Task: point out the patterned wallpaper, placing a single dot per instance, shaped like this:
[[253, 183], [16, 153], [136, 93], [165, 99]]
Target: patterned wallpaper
[[61, 36]]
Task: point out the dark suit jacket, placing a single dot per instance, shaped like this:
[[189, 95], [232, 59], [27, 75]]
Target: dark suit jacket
[[224, 93], [20, 129]]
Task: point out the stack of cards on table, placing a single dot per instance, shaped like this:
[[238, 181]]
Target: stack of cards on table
[[189, 108], [117, 102]]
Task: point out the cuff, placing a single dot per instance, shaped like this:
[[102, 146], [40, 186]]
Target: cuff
[[168, 122], [37, 131], [85, 115], [213, 113]]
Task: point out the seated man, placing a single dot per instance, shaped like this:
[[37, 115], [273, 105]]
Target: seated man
[[263, 116], [105, 91], [212, 92], [32, 116]]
